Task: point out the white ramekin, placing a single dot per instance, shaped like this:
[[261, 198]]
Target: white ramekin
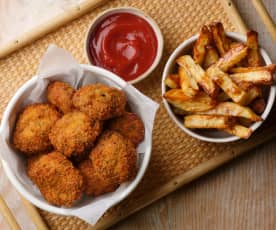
[[37, 199], [208, 135], [131, 10]]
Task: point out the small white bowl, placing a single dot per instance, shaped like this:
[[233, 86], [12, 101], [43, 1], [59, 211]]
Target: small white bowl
[[210, 135], [21, 183], [137, 12]]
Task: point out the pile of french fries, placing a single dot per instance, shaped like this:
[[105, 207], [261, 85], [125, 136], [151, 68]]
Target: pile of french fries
[[219, 86]]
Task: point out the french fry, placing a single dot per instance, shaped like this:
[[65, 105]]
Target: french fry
[[252, 94], [245, 122], [207, 122], [226, 84], [199, 50], [233, 109], [219, 37], [187, 82], [245, 86], [255, 77], [178, 111], [201, 102], [239, 131], [222, 96], [234, 44], [258, 106], [270, 68], [172, 81], [232, 57], [211, 57], [253, 57], [198, 74], [243, 62]]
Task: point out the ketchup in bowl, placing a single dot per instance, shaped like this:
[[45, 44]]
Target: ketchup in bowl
[[123, 43]]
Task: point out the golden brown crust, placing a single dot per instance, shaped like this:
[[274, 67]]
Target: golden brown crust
[[60, 94], [58, 181], [130, 126], [199, 49], [74, 133], [221, 41], [253, 57], [32, 128], [114, 157], [95, 184], [99, 101]]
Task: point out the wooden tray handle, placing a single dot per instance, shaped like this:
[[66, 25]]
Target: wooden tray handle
[[267, 20]]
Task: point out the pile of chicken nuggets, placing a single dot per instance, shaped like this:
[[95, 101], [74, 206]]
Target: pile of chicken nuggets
[[80, 142]]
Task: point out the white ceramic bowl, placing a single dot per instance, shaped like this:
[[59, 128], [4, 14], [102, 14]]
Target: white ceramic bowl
[[35, 197], [137, 12], [208, 135]]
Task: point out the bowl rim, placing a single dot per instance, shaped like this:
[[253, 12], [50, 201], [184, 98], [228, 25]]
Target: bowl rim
[[254, 126], [44, 204], [137, 12]]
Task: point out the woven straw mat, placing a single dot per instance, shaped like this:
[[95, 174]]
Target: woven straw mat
[[173, 152]]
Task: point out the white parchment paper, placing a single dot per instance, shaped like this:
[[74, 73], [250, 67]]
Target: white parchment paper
[[58, 64]]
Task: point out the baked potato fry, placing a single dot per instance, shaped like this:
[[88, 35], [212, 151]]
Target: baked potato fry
[[234, 44], [222, 96], [255, 77], [239, 131], [253, 57], [233, 109], [211, 56], [232, 57], [198, 74], [187, 82], [178, 111], [172, 81], [219, 37], [252, 94], [227, 84], [258, 106], [208, 122], [246, 86], [199, 50], [245, 122], [270, 68], [198, 103]]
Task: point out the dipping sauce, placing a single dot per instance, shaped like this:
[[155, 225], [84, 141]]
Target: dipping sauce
[[123, 43]]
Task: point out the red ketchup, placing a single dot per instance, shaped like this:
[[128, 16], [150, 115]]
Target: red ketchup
[[124, 44]]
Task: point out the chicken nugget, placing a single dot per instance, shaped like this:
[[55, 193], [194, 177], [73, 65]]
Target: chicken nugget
[[58, 181], [99, 101], [130, 126], [114, 158], [74, 133], [32, 128], [60, 94], [95, 183]]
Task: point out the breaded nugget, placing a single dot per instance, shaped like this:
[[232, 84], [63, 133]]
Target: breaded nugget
[[95, 183], [130, 126], [114, 158], [60, 94], [99, 101], [32, 128], [58, 181], [74, 133]]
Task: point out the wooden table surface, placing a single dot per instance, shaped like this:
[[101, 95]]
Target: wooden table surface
[[239, 195]]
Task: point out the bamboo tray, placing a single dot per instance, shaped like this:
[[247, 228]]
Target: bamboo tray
[[176, 158]]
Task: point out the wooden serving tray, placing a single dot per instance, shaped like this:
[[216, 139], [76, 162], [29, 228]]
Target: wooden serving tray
[[176, 158]]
